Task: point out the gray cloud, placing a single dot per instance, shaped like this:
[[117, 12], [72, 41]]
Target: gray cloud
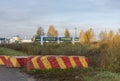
[[24, 16]]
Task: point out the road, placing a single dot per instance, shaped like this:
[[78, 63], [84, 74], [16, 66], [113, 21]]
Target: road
[[13, 74]]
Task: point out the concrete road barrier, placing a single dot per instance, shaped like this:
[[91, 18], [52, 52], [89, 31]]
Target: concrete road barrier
[[44, 62], [17, 61], [63, 62], [3, 59]]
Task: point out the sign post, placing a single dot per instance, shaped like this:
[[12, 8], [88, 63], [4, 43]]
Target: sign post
[[41, 41], [66, 39]]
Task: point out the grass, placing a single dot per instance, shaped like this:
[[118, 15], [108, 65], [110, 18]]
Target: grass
[[104, 76], [75, 74], [10, 52]]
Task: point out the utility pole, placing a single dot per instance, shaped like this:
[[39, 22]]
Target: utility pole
[[75, 31]]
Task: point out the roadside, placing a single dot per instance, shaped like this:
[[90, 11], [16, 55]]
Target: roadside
[[13, 74], [103, 63]]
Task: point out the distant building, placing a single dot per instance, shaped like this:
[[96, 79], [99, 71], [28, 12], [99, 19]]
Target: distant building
[[15, 39], [3, 40]]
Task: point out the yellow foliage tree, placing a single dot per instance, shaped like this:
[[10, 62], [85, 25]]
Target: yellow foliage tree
[[55, 33], [52, 32], [86, 37], [110, 35], [89, 36], [67, 33], [116, 37], [81, 36], [103, 36]]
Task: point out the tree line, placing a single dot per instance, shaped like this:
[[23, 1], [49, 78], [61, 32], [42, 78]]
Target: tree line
[[87, 36]]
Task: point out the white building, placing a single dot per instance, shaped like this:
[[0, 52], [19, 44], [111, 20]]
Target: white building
[[26, 41]]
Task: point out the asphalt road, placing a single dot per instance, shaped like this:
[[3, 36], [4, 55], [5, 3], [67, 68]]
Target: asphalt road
[[13, 74]]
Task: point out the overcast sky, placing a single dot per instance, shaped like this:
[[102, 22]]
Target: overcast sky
[[23, 17]]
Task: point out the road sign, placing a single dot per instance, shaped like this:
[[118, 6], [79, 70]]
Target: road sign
[[50, 39], [37, 38], [76, 39], [65, 38], [2, 38]]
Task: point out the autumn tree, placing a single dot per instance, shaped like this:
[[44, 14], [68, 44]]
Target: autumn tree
[[40, 31], [89, 36], [110, 35], [116, 37], [81, 36], [55, 33], [52, 32], [67, 33], [103, 36]]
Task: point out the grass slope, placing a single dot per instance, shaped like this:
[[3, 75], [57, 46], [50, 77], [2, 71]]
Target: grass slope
[[10, 52]]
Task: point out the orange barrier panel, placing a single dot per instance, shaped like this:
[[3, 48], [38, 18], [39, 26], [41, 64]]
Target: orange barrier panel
[[63, 62], [3, 59], [17, 61]]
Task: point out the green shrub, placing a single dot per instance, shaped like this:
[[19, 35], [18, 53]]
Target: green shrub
[[53, 49]]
